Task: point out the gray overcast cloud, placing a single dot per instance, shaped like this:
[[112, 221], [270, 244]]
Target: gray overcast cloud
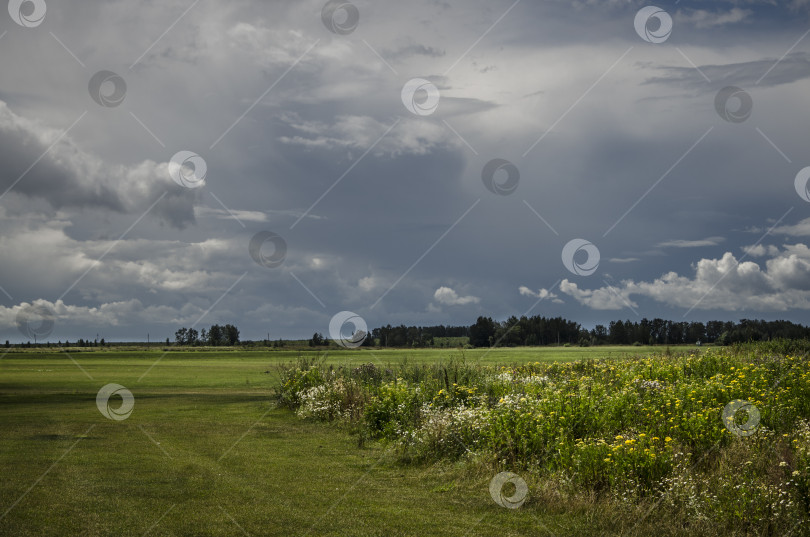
[[366, 138]]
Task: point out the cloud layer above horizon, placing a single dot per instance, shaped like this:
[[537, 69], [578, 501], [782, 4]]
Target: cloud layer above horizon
[[535, 124]]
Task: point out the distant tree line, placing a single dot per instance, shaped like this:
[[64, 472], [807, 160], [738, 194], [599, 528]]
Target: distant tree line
[[536, 331], [319, 340], [401, 336], [215, 336], [415, 336], [87, 343], [80, 343], [515, 332], [542, 331]]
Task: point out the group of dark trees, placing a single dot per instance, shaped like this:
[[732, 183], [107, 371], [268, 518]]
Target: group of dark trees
[[515, 332], [542, 331], [87, 343], [415, 336], [402, 336], [214, 336], [317, 340], [659, 331]]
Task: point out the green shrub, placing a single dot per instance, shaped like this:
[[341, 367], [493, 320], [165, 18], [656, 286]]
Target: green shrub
[[393, 410]]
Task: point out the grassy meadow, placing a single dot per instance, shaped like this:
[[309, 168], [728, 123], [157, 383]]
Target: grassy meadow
[[216, 445]]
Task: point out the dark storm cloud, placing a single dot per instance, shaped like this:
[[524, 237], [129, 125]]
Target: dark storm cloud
[[44, 163]]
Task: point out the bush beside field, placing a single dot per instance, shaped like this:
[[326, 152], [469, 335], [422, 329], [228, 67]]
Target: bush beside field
[[639, 431]]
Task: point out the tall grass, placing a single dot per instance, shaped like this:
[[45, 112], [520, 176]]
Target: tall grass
[[632, 431]]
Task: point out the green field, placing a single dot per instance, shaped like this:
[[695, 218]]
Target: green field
[[207, 452], [233, 371]]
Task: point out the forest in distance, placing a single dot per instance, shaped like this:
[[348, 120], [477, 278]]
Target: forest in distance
[[539, 331]]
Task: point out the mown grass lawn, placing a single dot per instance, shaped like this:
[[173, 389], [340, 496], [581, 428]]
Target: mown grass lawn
[[205, 452]]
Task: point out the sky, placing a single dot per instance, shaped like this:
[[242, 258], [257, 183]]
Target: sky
[[274, 165]]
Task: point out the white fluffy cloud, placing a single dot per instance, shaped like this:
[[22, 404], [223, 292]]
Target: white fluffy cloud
[[725, 284], [104, 315], [541, 294], [448, 297], [759, 250], [109, 270], [800, 229], [605, 298]]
